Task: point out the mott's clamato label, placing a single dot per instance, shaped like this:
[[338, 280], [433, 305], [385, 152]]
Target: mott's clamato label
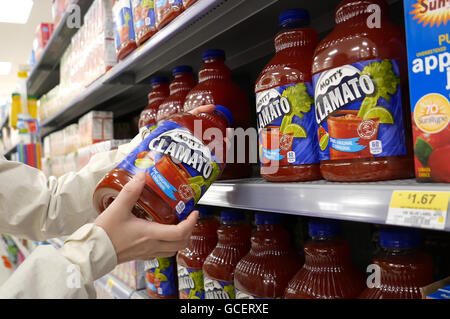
[[358, 111], [216, 289], [286, 126], [123, 22], [428, 42], [166, 3], [145, 13], [161, 276], [190, 283], [178, 166]]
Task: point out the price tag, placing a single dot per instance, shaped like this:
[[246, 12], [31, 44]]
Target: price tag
[[418, 209]]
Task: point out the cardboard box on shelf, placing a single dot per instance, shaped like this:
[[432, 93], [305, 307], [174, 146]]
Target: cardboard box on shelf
[[96, 126]]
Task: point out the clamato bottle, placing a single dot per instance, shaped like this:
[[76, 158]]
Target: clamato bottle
[[233, 244], [182, 83], [215, 86], [160, 91], [404, 269], [285, 104], [328, 272], [361, 97], [179, 167], [190, 260], [166, 11], [161, 278], [125, 37], [271, 262]]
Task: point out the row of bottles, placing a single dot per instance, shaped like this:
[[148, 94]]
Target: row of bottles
[[228, 261]]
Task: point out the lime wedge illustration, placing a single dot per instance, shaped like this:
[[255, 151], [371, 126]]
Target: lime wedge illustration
[[161, 277], [197, 180], [324, 142], [198, 192], [381, 113], [144, 163], [296, 129]]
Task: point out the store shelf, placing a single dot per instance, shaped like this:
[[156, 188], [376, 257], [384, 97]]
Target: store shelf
[[118, 289], [45, 74], [360, 202]]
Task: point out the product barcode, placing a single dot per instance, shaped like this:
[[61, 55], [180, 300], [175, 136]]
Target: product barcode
[[417, 220]]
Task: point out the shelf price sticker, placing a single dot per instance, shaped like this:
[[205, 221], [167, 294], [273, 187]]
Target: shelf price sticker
[[418, 209]]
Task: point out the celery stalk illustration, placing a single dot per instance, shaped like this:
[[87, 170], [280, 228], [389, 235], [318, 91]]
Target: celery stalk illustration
[[300, 102]]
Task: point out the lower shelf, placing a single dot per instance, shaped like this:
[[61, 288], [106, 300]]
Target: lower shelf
[[360, 202], [118, 289]]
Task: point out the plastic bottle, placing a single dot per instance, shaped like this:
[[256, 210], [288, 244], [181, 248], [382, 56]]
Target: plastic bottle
[[16, 109], [179, 167], [285, 104], [182, 83], [266, 270], [361, 96], [190, 260], [404, 269], [124, 34], [144, 20], [328, 272], [215, 86], [32, 106], [233, 244], [161, 278], [160, 91], [166, 11]]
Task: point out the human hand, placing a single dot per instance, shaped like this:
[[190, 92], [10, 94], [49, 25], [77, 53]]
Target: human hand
[[138, 239]]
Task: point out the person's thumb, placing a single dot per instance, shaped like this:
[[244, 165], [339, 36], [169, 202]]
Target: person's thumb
[[130, 193]]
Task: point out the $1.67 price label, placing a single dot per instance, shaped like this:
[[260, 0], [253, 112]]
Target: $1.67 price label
[[418, 209]]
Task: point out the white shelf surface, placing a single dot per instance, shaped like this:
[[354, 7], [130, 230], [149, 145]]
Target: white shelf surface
[[120, 290]]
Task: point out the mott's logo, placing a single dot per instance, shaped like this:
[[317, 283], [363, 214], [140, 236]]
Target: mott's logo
[[431, 12]]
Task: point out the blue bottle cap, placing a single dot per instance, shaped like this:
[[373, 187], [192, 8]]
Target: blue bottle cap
[[182, 69], [214, 53], [159, 80], [267, 219], [324, 227], [225, 111], [204, 210], [399, 237], [294, 15], [231, 215]]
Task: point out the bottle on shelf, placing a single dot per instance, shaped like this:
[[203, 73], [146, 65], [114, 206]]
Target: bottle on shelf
[[161, 278], [285, 104], [178, 165], [16, 109], [271, 262], [361, 97], [403, 267], [182, 83], [144, 20], [188, 3], [160, 91], [32, 106], [328, 272], [166, 11], [124, 34], [190, 260], [233, 244], [215, 86]]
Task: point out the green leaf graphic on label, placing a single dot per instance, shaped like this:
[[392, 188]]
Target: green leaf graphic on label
[[367, 104], [287, 119], [230, 290], [423, 150], [161, 277], [385, 78], [164, 263], [215, 173], [382, 113], [197, 277]]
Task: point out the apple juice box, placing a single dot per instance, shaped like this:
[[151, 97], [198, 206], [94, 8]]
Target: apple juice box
[[428, 43]]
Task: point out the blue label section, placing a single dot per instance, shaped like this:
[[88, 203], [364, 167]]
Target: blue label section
[[160, 3], [161, 278], [286, 125], [123, 22], [216, 289], [146, 9], [359, 111], [190, 283], [162, 183]]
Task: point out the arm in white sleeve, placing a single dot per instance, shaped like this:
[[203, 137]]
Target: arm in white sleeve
[[69, 272], [35, 207]]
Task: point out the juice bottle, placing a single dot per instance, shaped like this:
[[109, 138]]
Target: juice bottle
[[166, 11], [266, 270], [285, 104], [328, 272], [160, 91], [362, 110], [188, 3], [190, 260], [233, 244], [144, 20], [404, 269], [161, 278], [32, 106], [215, 86], [123, 28], [183, 82], [179, 165]]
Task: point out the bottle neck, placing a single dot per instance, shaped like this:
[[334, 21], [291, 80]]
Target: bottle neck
[[359, 11], [214, 69], [182, 82], [159, 92], [297, 42]]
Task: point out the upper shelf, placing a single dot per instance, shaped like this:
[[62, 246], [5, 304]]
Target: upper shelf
[[45, 74], [360, 202]]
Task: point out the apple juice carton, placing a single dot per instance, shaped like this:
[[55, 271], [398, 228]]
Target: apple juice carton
[[428, 44]]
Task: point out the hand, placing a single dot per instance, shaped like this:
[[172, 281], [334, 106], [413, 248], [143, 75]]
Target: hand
[[138, 239]]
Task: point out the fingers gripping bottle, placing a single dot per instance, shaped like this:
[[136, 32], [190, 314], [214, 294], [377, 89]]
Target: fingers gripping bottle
[[266, 270], [403, 268], [161, 278], [285, 104], [181, 85], [233, 244], [190, 260], [328, 272], [215, 86], [160, 91], [361, 99], [179, 163]]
